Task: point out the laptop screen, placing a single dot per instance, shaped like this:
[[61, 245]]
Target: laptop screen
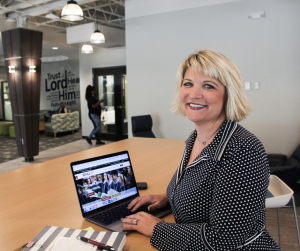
[[104, 180]]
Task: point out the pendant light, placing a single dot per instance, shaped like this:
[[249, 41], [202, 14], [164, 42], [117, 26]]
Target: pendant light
[[86, 48], [72, 12], [97, 37]]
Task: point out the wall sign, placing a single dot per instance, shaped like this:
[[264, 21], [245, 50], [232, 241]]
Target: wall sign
[[60, 82], [62, 87]]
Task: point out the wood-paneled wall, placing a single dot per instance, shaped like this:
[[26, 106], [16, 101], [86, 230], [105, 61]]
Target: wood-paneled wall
[[23, 48]]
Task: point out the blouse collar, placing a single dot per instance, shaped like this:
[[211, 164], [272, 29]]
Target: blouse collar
[[216, 148]]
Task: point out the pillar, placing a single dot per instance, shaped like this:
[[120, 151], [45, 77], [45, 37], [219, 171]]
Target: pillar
[[23, 48]]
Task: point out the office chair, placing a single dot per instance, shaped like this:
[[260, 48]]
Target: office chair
[[287, 169], [142, 126]]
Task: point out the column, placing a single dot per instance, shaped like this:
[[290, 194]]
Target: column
[[22, 49]]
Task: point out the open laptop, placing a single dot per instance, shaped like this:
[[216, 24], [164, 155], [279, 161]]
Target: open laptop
[[105, 185]]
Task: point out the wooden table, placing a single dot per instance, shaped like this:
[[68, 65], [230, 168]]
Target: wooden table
[[44, 194]]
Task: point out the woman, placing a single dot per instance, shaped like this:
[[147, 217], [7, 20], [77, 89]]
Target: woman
[[217, 194], [105, 186], [85, 186], [125, 174], [84, 199], [89, 183], [121, 181], [94, 113], [62, 108]]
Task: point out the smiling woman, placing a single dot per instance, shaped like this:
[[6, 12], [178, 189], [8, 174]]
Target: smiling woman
[[216, 66], [218, 192], [202, 97]]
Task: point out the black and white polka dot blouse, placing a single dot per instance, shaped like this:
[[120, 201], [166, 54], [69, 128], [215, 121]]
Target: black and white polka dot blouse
[[218, 201]]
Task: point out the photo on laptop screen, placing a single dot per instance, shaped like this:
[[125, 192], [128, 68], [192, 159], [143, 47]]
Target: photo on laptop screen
[[103, 181]]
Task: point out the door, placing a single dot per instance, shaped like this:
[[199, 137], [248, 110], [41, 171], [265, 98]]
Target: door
[[111, 84], [6, 104]]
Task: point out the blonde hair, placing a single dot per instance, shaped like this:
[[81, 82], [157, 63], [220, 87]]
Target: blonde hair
[[224, 70]]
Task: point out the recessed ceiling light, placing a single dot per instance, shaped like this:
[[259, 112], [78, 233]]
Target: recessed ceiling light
[[55, 48]]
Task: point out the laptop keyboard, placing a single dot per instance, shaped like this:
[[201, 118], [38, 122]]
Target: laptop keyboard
[[116, 214]]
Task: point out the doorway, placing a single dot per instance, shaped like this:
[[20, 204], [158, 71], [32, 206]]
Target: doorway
[[6, 110], [111, 84]]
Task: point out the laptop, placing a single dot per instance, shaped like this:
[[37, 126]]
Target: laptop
[[105, 185]]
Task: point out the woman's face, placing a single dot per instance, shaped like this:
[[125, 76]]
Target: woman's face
[[202, 98]]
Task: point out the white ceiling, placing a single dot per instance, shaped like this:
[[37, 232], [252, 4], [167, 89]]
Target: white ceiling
[[107, 13]]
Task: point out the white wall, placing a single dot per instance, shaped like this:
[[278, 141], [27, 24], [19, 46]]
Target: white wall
[[101, 57], [265, 50]]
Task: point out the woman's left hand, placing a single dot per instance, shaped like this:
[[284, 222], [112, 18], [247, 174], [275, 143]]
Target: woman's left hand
[[145, 223]]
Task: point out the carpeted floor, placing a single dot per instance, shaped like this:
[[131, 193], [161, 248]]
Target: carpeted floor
[[8, 146]]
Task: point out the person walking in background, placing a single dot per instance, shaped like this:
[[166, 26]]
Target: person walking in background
[[94, 114]]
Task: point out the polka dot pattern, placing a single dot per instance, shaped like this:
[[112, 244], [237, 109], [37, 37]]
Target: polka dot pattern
[[218, 201]]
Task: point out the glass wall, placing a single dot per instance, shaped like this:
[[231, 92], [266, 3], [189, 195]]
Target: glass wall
[[106, 92]]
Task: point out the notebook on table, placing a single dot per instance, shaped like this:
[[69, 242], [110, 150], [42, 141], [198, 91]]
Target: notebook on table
[[53, 238], [105, 185]]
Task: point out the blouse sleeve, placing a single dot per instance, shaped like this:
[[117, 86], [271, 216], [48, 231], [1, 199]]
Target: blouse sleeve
[[238, 198]]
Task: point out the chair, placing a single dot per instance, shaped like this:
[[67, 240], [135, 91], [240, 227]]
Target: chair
[[12, 133], [142, 126], [279, 194], [287, 169], [4, 128], [63, 122]]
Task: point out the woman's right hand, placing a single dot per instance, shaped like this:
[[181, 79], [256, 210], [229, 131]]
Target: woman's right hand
[[156, 201]]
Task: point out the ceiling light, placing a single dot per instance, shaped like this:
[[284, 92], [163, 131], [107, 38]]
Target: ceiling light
[[86, 48], [52, 15], [97, 37], [72, 12], [55, 48]]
